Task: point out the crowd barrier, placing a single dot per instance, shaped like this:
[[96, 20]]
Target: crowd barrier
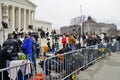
[[18, 70], [63, 66]]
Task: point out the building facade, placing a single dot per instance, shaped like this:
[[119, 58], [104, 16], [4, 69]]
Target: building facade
[[89, 26], [44, 25], [17, 13]]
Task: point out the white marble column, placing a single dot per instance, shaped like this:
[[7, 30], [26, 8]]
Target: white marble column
[[13, 18], [24, 19], [33, 19], [19, 18], [29, 17]]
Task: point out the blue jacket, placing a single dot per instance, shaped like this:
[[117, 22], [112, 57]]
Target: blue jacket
[[27, 46]]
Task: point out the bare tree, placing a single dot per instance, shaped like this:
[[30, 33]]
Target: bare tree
[[112, 31]]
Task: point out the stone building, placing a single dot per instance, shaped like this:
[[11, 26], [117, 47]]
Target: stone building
[[89, 26], [19, 14]]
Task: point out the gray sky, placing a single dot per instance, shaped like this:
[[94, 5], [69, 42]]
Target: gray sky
[[60, 12]]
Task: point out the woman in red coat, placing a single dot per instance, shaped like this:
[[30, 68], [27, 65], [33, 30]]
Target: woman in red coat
[[64, 41]]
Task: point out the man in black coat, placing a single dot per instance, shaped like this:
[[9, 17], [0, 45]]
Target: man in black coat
[[8, 52]]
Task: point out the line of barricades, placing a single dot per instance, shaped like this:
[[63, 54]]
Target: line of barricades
[[60, 66], [65, 66]]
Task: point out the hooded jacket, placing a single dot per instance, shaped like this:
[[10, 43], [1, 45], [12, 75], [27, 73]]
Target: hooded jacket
[[27, 46]]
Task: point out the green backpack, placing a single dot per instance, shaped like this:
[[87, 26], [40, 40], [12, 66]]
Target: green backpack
[[22, 57]]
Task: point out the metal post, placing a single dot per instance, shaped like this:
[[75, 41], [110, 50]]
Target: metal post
[[81, 19]]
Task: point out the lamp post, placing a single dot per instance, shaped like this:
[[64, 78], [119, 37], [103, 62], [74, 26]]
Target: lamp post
[[81, 19], [81, 24]]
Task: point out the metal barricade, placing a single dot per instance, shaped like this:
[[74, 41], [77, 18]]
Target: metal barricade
[[63, 66], [22, 71]]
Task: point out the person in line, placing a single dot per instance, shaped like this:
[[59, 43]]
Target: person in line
[[34, 43], [8, 52], [27, 47], [71, 42], [64, 41], [21, 33], [15, 33], [11, 41]]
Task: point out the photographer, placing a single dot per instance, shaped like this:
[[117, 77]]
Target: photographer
[[56, 42]]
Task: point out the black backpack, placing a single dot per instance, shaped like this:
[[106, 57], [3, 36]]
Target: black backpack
[[4, 50]]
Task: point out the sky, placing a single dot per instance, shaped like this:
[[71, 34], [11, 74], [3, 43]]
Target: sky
[[60, 12]]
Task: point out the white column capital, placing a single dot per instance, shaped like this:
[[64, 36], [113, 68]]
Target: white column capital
[[19, 18], [33, 19]]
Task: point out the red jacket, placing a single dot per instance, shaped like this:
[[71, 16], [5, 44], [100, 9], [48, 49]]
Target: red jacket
[[64, 40]]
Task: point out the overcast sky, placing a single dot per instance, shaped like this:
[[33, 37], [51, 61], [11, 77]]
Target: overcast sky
[[60, 12]]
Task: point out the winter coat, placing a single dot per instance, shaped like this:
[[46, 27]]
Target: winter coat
[[6, 54], [27, 46], [11, 42], [63, 40], [71, 40]]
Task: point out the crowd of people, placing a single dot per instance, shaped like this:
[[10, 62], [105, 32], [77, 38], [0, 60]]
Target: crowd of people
[[30, 47], [13, 47], [76, 42]]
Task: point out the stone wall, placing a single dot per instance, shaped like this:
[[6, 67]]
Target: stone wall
[[98, 27]]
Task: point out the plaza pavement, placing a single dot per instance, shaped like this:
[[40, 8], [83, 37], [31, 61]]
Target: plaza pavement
[[105, 69]]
